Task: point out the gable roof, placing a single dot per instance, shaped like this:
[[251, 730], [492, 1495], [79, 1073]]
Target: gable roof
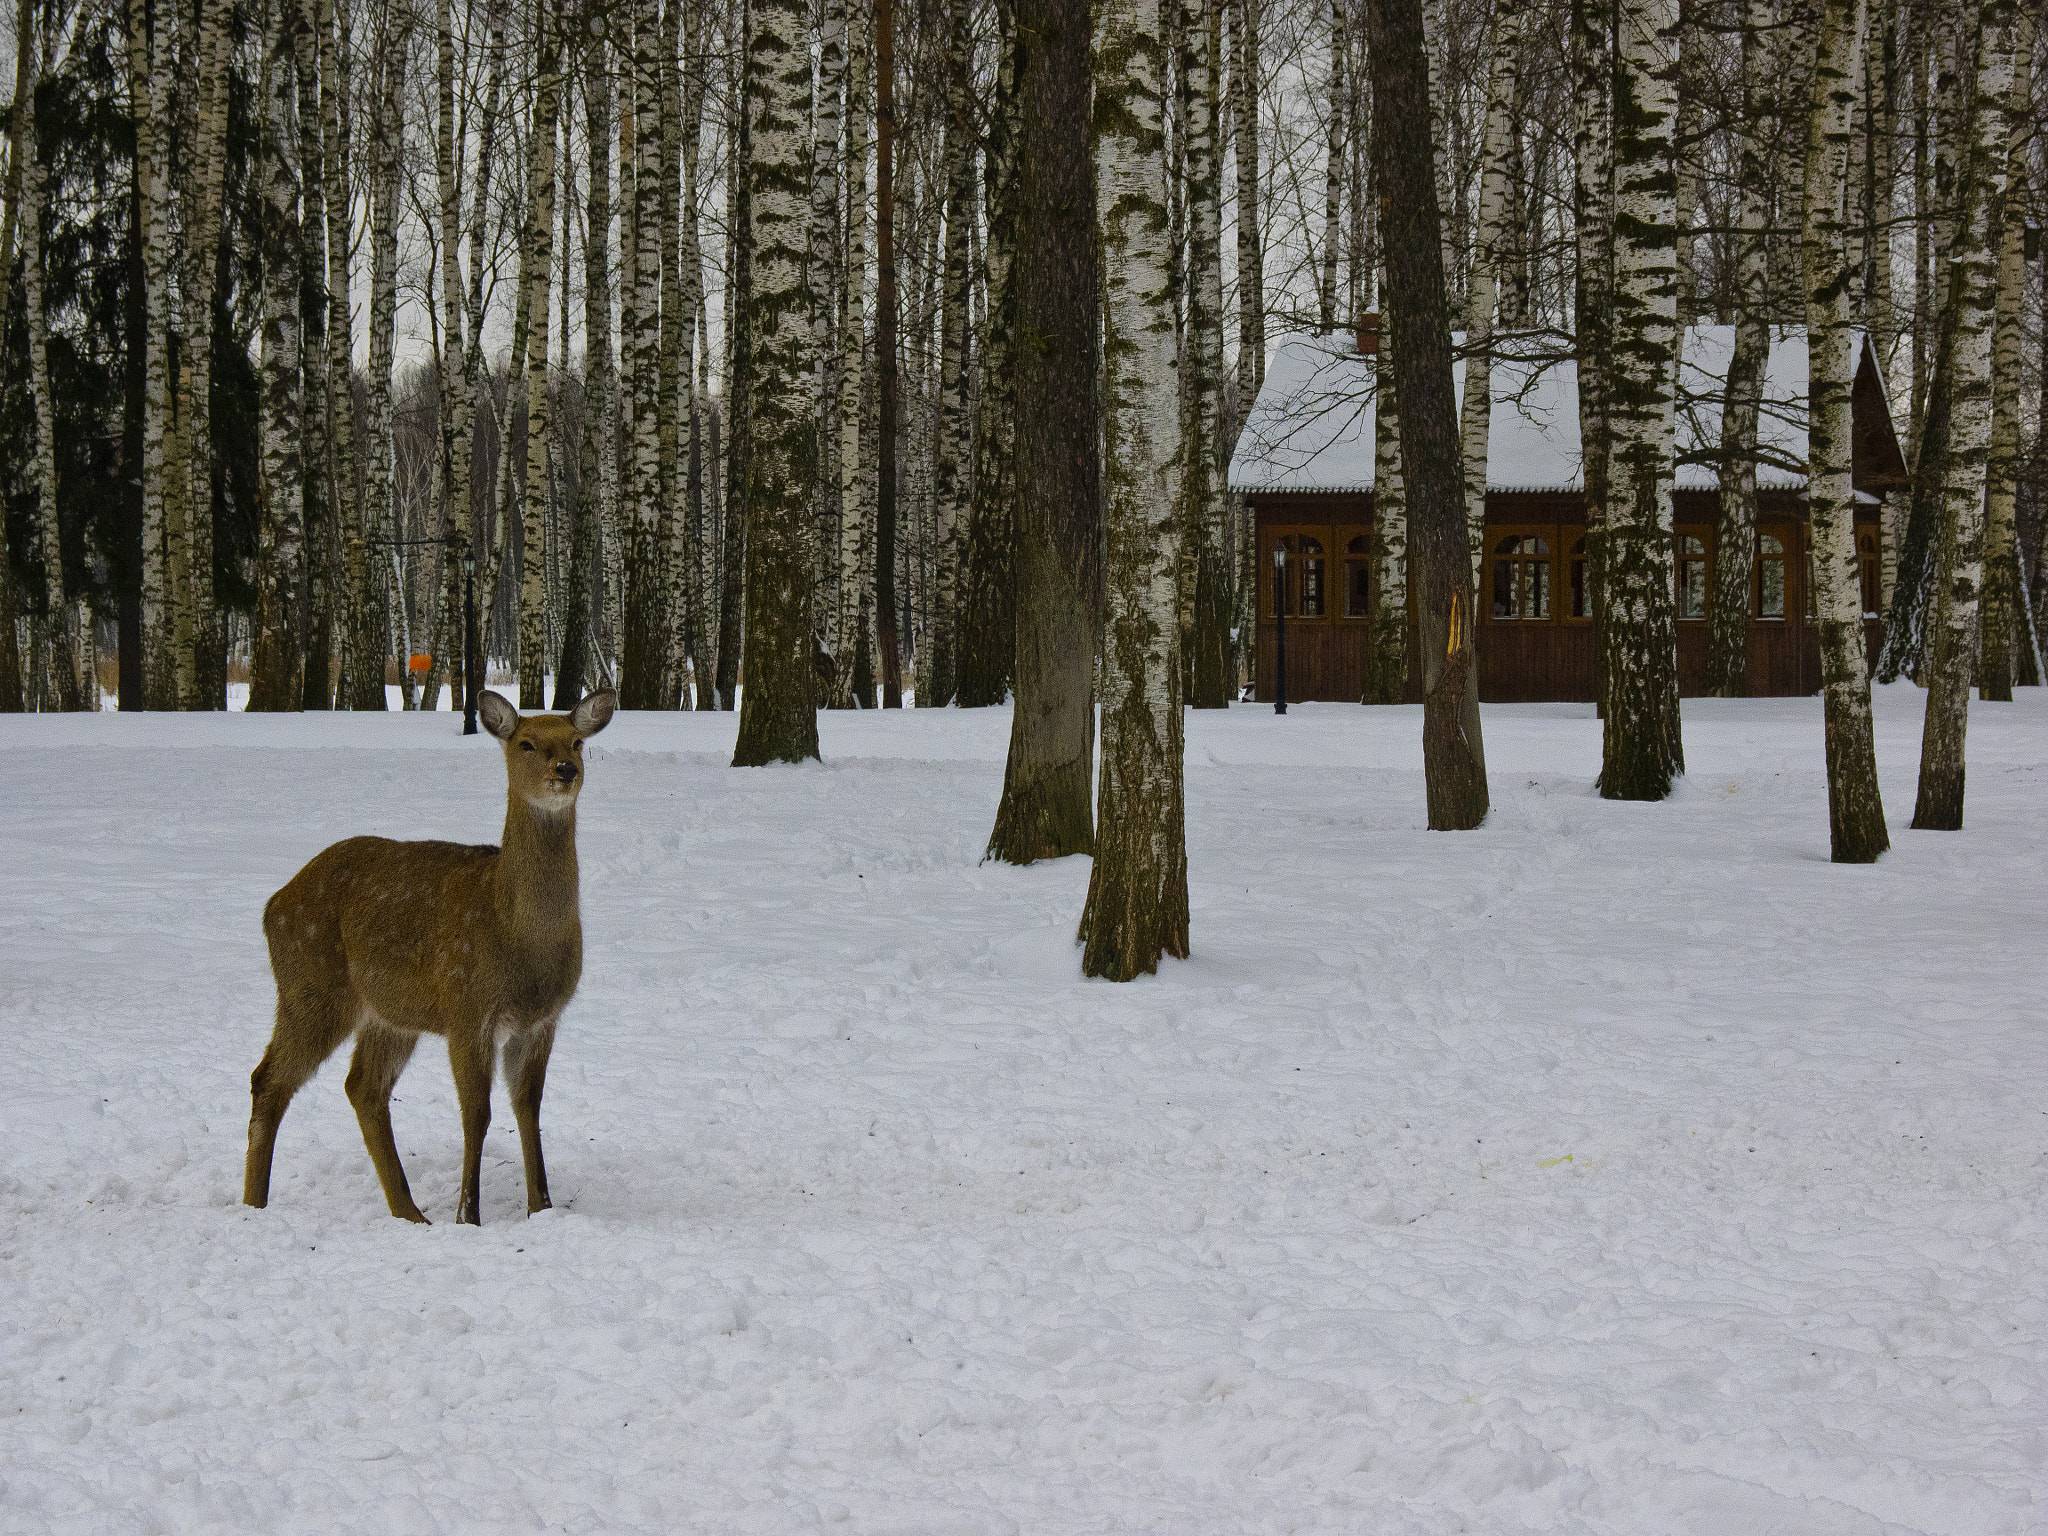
[[1311, 428]]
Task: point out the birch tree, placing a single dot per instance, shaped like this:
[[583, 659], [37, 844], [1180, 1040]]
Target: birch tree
[[1973, 281], [1593, 223], [1476, 415], [2000, 611], [1735, 532], [951, 466], [778, 714], [1386, 678], [1856, 824], [1203, 461], [1137, 906], [645, 648], [849, 617], [540, 442], [1642, 751], [196, 624], [1045, 810]]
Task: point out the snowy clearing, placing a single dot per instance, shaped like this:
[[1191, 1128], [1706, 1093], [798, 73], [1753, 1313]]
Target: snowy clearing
[[1615, 1168]]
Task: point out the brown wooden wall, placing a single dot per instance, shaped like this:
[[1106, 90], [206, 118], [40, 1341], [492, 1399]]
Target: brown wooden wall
[[1524, 661]]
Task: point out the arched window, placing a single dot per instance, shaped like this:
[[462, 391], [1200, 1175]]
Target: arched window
[[1870, 565], [1521, 578], [1307, 562], [1358, 578], [1770, 576], [1692, 576], [1582, 594]]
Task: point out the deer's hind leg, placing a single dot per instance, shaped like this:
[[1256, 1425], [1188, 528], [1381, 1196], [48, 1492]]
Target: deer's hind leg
[[381, 1054], [310, 1024], [471, 1056]]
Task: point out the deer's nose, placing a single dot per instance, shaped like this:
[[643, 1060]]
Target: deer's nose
[[565, 771]]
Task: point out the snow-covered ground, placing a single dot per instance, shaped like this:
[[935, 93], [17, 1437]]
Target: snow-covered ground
[[1616, 1168]]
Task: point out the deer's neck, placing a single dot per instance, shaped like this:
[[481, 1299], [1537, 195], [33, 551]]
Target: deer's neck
[[537, 871]]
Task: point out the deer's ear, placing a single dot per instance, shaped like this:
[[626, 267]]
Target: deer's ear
[[594, 713], [498, 715]]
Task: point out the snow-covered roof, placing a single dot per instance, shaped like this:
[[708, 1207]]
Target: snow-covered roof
[[1311, 428]]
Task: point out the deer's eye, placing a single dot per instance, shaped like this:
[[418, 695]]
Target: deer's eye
[[577, 744], [526, 746]]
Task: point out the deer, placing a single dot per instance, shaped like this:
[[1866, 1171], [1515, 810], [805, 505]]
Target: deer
[[387, 941]]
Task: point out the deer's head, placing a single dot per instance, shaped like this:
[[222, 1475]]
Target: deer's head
[[544, 753]]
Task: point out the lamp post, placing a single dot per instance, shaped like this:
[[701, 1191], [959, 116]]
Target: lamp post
[[469, 646], [1280, 609]]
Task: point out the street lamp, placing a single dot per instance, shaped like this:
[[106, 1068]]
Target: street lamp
[[1280, 608], [469, 645]]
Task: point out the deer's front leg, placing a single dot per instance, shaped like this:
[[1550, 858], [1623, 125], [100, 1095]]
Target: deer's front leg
[[469, 1057], [526, 1073]]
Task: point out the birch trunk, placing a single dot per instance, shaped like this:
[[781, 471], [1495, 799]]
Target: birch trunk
[[646, 638], [827, 285], [596, 453], [151, 157], [1333, 173], [671, 364], [778, 713], [1203, 460], [1642, 747], [11, 702], [887, 639], [203, 679], [1251, 301], [855, 467], [317, 681], [732, 595], [540, 437], [275, 682], [1735, 533], [1996, 644], [1386, 680], [55, 625], [693, 661], [361, 685], [1045, 810], [1593, 210], [1856, 828], [369, 632], [1476, 416], [951, 468], [988, 610], [458, 385], [1137, 907], [1974, 279]]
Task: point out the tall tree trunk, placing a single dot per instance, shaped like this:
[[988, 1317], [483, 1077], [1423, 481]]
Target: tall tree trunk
[[1386, 677], [1974, 278], [988, 609], [824, 353], [850, 417], [151, 173], [1138, 889], [1045, 810], [2000, 630], [316, 673], [646, 643], [887, 636], [1476, 415], [1642, 746], [1251, 303], [672, 364], [1203, 461], [361, 685], [739, 383], [1453, 752], [595, 457], [1856, 828], [275, 680], [540, 436], [778, 712], [458, 384], [951, 465], [11, 702], [55, 624], [1735, 534], [1333, 173], [204, 680], [693, 609], [1593, 210]]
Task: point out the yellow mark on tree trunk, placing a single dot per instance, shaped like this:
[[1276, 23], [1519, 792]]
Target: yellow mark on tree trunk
[[1452, 648]]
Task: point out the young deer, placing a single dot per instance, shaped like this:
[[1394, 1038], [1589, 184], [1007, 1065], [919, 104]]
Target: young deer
[[389, 941]]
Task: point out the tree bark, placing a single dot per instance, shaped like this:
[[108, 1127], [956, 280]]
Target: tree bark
[[1476, 415], [951, 462], [1642, 746], [1386, 679], [1592, 67], [1333, 171], [1203, 459], [888, 638], [1453, 752], [1137, 906], [1974, 277], [778, 711], [2000, 606], [646, 640], [1045, 810], [1856, 827]]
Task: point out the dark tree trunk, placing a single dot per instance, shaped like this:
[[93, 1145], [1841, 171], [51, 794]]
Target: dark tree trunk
[[1453, 755], [885, 354], [1046, 810]]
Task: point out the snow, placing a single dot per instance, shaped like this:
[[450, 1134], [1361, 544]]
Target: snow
[[1614, 1168], [1311, 428]]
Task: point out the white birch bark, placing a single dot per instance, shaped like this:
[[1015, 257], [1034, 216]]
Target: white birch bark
[[855, 486], [159, 681], [1642, 746], [540, 436], [1203, 461], [1476, 413], [1137, 892], [1855, 809], [1333, 169], [1387, 676], [951, 480], [202, 679], [2000, 606], [640, 326]]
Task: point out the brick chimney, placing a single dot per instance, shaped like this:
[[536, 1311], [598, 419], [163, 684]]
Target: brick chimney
[[1368, 325]]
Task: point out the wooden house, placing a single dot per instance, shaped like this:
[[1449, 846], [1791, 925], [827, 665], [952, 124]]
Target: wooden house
[[1304, 464]]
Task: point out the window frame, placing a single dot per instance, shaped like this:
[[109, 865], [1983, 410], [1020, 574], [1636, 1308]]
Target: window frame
[[1555, 558], [1788, 563], [1704, 532]]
